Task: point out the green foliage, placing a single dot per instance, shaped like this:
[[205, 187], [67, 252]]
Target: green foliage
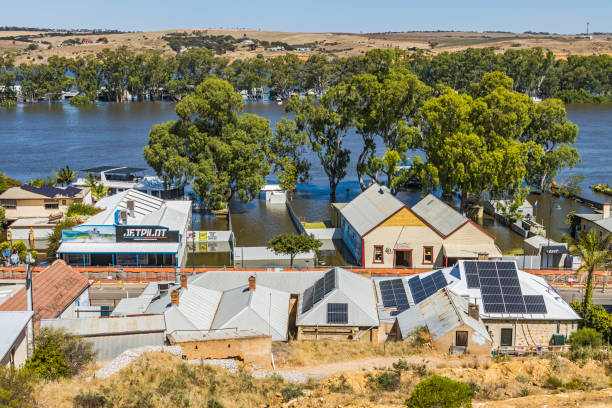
[[293, 244], [437, 391], [552, 382], [81, 209], [75, 350], [602, 188], [387, 381], [55, 239], [595, 317], [89, 399], [7, 182], [39, 182], [291, 391], [287, 148], [287, 177], [47, 363], [80, 100], [221, 152], [65, 176], [16, 388], [586, 337]]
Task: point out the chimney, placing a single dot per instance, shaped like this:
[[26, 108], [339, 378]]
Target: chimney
[[474, 311], [184, 281], [251, 283], [483, 256], [606, 210], [174, 297]]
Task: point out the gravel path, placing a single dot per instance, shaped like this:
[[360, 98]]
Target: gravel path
[[128, 356]]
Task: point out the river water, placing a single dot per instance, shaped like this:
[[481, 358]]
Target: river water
[[37, 138]]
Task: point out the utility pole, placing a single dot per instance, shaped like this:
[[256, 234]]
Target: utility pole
[[29, 304], [588, 28]]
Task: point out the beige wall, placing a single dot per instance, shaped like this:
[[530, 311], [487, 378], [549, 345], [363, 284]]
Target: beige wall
[[20, 350], [414, 238], [35, 208], [476, 343], [469, 234], [307, 333], [530, 333], [254, 351], [587, 226]]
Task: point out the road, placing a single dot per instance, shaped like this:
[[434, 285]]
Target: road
[[599, 298]]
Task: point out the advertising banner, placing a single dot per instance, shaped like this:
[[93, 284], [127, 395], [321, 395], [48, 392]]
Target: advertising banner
[[134, 233], [104, 233]]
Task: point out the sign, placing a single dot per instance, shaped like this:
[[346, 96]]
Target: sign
[[208, 236], [131, 233], [101, 233], [554, 250]]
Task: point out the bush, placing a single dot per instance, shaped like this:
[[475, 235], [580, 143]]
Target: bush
[[16, 388], [553, 382], [290, 392], [586, 337], [387, 381], [79, 100], [81, 209], [89, 399], [47, 363], [55, 239], [76, 351], [437, 391]]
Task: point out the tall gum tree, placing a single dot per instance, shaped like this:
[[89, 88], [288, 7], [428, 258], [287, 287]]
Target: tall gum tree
[[222, 153]]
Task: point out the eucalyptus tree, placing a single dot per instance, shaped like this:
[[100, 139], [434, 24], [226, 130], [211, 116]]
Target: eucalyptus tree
[[88, 75], [115, 71], [284, 72]]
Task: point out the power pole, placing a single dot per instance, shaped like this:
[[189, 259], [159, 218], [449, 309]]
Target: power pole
[[588, 28], [29, 308]]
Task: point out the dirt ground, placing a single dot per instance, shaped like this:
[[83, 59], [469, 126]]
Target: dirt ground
[[340, 44]]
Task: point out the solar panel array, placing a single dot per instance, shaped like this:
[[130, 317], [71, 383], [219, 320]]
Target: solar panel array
[[337, 313], [423, 288], [500, 288], [394, 295], [316, 292]]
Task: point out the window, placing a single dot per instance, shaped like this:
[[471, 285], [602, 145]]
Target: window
[[51, 204], [506, 337], [9, 204], [428, 256], [378, 254], [63, 202]]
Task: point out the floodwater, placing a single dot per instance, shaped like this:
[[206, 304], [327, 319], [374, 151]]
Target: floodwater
[[37, 138]]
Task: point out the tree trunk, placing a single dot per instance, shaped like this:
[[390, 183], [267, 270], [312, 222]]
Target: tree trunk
[[463, 201], [332, 190], [361, 166], [588, 292], [291, 256]]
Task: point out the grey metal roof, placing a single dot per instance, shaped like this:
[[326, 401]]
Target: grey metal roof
[[291, 281], [264, 310], [439, 215], [132, 306], [12, 324], [442, 312], [370, 208], [590, 216], [109, 325], [538, 241], [354, 290], [207, 335], [198, 305]]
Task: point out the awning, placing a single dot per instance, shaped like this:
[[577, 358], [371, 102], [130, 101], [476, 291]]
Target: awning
[[470, 251], [118, 248], [403, 246]]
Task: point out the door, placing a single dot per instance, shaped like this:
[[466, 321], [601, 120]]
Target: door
[[403, 258], [506, 338], [461, 339]]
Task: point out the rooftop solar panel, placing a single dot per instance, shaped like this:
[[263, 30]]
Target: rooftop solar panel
[[535, 304], [316, 292], [416, 288], [337, 313]]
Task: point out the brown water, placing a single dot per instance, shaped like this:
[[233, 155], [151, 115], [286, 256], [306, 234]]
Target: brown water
[[37, 138]]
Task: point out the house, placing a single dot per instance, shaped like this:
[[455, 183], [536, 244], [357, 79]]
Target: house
[[14, 337], [134, 229], [338, 306], [56, 293], [453, 324], [382, 232], [550, 252], [112, 336], [41, 202], [601, 223]]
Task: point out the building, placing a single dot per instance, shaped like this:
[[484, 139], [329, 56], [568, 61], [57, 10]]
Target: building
[[46, 202], [601, 223], [382, 232], [120, 179], [552, 254], [112, 336], [14, 338], [257, 257], [57, 291], [338, 306], [134, 229], [453, 325]]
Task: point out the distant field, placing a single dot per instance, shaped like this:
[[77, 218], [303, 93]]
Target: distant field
[[339, 44]]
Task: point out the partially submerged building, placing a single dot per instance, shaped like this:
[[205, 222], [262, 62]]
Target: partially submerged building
[[601, 222], [382, 232], [134, 229]]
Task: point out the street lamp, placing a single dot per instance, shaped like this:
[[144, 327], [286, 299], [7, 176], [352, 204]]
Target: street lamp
[[549, 229]]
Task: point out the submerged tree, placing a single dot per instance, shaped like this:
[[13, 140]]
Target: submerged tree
[[221, 152], [293, 244]]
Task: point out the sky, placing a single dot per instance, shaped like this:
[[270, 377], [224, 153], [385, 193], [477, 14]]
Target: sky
[[560, 16]]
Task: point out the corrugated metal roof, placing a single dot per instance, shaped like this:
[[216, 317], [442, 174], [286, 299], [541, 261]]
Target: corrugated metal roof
[[470, 250], [439, 215], [370, 208], [199, 305], [109, 325], [222, 334], [354, 290], [264, 309], [292, 282], [12, 324], [132, 306]]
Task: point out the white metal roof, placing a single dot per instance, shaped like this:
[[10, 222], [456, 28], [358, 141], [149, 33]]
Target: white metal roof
[[198, 305], [118, 247], [354, 290], [132, 306], [370, 208], [264, 310], [472, 250], [441, 313], [538, 241], [439, 215], [290, 281], [12, 324]]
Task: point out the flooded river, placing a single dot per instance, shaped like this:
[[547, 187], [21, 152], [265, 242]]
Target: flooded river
[[37, 138]]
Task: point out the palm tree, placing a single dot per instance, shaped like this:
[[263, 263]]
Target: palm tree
[[65, 176], [594, 252]]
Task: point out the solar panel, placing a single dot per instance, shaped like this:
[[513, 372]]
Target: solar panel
[[416, 288], [423, 288], [337, 313], [307, 299], [494, 308], [316, 292], [439, 279], [535, 304]]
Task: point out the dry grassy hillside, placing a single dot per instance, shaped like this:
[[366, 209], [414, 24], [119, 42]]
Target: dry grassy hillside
[[341, 44]]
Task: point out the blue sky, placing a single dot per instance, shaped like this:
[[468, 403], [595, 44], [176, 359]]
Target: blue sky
[[561, 16]]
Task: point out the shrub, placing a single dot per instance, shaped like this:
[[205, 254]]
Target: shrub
[[437, 391], [213, 403], [81, 209], [553, 382], [387, 381], [76, 351], [79, 100], [291, 391], [16, 388], [89, 399], [586, 337], [55, 239], [47, 363]]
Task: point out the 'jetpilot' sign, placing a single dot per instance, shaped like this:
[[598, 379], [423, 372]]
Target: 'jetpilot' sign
[[136, 233]]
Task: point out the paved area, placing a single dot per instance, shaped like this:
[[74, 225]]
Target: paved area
[[599, 298]]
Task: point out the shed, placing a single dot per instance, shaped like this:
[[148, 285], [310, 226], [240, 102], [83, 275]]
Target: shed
[[14, 337]]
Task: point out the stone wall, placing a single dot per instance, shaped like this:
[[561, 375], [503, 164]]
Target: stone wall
[[254, 351], [530, 333]]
